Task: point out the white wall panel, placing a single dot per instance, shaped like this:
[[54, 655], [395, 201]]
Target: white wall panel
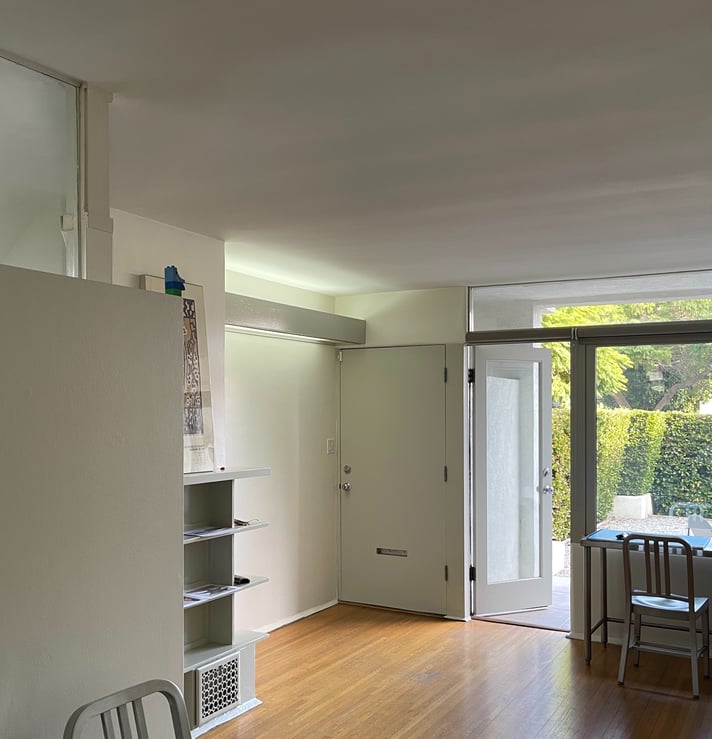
[[280, 410], [90, 495]]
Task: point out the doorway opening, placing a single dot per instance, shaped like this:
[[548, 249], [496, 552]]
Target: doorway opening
[[522, 485], [641, 389]]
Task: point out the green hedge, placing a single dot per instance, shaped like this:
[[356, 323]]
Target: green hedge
[[684, 468], [667, 454], [642, 451], [561, 473], [611, 443]]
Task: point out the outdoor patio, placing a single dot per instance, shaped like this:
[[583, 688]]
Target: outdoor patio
[[557, 615], [651, 524]]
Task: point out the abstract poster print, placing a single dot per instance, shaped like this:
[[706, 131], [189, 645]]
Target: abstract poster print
[[192, 398], [198, 443]]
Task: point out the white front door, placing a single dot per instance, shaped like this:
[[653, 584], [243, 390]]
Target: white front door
[[393, 547], [512, 454]]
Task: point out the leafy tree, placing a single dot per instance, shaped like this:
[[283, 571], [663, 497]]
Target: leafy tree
[[650, 376], [611, 363]]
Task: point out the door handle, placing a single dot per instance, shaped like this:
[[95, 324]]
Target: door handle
[[346, 487], [547, 490]]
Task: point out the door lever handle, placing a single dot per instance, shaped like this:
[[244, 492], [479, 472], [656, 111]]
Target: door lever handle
[[346, 487]]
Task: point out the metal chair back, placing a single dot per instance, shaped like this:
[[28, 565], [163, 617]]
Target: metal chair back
[[113, 712], [656, 551]]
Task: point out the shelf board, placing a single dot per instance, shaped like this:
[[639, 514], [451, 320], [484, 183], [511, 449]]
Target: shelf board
[[227, 531], [233, 473], [255, 580], [207, 652], [223, 594]]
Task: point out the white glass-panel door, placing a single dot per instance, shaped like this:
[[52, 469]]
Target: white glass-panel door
[[512, 450]]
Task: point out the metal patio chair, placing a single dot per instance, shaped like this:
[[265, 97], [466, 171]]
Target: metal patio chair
[[655, 597]]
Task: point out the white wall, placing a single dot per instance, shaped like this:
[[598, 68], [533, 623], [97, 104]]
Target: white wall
[[437, 316], [90, 559], [280, 409], [255, 287], [142, 246]]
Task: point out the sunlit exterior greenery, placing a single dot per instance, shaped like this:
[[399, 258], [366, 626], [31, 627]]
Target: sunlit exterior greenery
[[651, 437]]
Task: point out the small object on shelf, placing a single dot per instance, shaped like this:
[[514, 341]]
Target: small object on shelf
[[208, 592], [207, 531], [239, 580], [175, 284], [240, 522]]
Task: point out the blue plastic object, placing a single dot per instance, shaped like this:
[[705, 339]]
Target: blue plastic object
[[175, 284]]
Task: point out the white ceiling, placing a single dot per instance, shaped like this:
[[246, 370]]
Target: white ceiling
[[351, 146]]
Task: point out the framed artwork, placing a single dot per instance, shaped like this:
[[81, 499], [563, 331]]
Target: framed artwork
[[198, 438]]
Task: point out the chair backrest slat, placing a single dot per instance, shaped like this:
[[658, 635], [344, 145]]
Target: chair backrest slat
[[107, 724], [124, 722], [140, 719]]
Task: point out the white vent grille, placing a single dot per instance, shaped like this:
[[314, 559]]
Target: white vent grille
[[217, 688]]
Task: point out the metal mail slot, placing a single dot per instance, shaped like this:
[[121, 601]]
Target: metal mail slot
[[392, 552]]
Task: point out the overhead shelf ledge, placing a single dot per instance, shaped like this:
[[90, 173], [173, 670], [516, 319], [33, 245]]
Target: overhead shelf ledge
[[232, 473], [244, 312]]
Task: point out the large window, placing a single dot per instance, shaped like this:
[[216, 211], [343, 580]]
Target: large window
[[38, 171]]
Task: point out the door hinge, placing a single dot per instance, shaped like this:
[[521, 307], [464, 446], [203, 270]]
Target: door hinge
[[446, 573], [473, 573], [445, 473], [470, 376], [444, 374]]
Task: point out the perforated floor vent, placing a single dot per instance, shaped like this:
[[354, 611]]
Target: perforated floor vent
[[217, 688]]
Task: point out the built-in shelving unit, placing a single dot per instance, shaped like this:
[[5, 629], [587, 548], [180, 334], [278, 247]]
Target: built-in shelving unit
[[218, 658]]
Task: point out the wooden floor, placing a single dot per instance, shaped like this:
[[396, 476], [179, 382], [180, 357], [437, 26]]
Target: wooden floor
[[362, 672]]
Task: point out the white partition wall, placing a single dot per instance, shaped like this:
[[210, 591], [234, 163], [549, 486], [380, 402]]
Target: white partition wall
[[281, 406], [90, 495]]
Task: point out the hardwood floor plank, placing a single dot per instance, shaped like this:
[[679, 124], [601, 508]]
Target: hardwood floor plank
[[359, 672]]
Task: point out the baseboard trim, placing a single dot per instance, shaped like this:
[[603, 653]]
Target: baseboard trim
[[298, 616]]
